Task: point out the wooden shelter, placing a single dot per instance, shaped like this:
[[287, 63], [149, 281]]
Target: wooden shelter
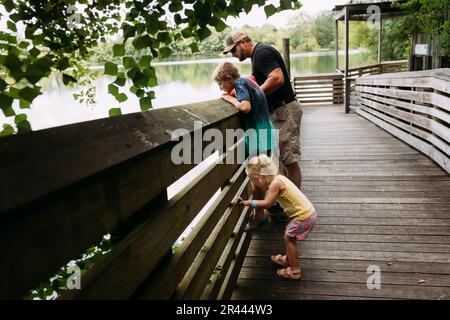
[[361, 10]]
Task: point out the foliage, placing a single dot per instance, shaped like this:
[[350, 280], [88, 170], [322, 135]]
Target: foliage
[[301, 32], [427, 16], [324, 29], [49, 289], [59, 34]]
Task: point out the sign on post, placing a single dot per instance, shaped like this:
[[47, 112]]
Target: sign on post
[[422, 49]]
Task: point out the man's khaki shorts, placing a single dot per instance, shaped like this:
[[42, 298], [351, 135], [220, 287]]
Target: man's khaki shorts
[[287, 120]]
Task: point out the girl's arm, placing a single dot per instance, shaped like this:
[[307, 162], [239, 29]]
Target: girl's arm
[[243, 106], [271, 196]]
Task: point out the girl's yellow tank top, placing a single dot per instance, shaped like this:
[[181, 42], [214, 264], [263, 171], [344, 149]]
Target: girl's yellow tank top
[[293, 201]]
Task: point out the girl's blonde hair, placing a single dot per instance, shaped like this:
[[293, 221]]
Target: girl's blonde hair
[[223, 70], [261, 165]]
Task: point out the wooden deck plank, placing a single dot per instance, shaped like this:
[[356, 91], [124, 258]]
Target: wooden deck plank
[[379, 202]]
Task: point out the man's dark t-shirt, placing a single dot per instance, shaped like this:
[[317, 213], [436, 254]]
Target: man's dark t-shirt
[[265, 59]]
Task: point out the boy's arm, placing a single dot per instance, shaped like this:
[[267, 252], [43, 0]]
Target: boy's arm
[[243, 106], [271, 196]]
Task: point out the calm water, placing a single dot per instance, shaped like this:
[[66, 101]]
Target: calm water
[[180, 82]]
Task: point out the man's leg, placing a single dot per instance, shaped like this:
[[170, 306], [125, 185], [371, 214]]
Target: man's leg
[[294, 174]]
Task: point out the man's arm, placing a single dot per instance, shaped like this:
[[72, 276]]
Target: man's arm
[[274, 81]]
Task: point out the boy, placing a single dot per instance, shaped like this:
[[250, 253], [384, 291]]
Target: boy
[[251, 101]]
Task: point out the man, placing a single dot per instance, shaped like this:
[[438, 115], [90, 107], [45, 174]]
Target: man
[[271, 74]]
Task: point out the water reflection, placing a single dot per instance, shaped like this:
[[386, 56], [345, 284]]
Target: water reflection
[[179, 83]]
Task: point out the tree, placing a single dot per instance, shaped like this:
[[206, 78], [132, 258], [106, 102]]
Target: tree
[[61, 34], [301, 32], [431, 16], [324, 29]]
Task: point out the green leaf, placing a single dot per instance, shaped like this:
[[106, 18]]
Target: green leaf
[[3, 84], [115, 112], [24, 44], [204, 33], [187, 32], [145, 103], [220, 26], [6, 105], [121, 97], [285, 4], [12, 62], [9, 5], [163, 36], [34, 52], [129, 31], [128, 62], [119, 50], [62, 64], [175, 6], [120, 81], [68, 79], [164, 52], [44, 63], [194, 47], [145, 61], [29, 94], [110, 68], [11, 26], [23, 104], [23, 126], [113, 89], [270, 10], [7, 130]]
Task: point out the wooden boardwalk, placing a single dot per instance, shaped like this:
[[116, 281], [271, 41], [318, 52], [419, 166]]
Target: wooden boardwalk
[[379, 202]]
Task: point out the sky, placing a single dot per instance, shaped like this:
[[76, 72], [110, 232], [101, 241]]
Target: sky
[[257, 17]]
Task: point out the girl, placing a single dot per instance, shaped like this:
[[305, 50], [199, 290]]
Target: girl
[[297, 207]]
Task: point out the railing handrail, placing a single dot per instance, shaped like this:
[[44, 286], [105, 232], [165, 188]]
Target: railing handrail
[[424, 95], [402, 63], [62, 189]]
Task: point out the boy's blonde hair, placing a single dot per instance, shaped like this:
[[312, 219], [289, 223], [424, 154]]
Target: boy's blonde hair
[[223, 70], [261, 165]]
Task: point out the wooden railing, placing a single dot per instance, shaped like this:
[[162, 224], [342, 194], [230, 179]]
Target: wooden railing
[[378, 68], [413, 106], [319, 88], [63, 188]]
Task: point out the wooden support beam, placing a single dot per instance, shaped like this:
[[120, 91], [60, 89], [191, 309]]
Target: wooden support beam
[[287, 60], [347, 83]]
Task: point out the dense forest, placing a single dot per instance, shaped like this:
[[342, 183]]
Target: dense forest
[[306, 33]]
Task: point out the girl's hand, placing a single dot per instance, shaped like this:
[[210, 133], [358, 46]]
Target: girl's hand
[[245, 202]]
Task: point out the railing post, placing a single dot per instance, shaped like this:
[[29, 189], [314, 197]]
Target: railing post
[[347, 80], [286, 57]]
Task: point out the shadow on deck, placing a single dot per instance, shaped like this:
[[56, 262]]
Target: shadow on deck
[[379, 202]]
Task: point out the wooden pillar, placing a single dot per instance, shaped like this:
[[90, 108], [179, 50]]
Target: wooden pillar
[[287, 60], [380, 28], [336, 39], [347, 80]]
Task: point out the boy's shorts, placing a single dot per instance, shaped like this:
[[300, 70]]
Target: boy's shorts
[[287, 120], [300, 228]]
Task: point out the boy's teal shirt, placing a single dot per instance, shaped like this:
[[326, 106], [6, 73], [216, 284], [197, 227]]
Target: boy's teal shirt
[[258, 118]]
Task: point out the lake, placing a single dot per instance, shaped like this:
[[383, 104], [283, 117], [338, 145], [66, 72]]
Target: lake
[[180, 82]]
